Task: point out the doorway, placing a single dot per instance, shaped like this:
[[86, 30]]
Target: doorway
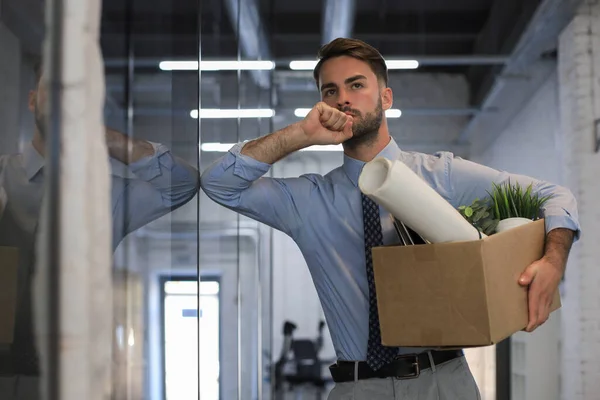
[[186, 374]]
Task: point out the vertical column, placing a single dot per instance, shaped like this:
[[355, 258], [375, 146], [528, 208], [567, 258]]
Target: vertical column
[[579, 85], [74, 271]]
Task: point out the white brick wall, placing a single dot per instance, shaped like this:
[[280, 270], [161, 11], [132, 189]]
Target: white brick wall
[[529, 144], [423, 91], [579, 77]]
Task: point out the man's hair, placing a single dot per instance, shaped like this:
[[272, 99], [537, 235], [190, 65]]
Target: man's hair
[[353, 48]]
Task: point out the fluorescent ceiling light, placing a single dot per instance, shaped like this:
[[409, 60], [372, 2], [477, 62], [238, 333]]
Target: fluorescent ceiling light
[[216, 65], [233, 113], [402, 64], [391, 113], [178, 65], [301, 112], [225, 147], [329, 147], [303, 65], [216, 147], [391, 64]]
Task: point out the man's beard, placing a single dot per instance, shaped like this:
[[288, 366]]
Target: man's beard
[[40, 122], [364, 128]]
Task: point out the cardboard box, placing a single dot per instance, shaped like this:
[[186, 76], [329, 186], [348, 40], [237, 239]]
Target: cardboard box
[[461, 294], [9, 262]]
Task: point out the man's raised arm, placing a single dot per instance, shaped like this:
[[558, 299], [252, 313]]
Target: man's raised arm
[[236, 179]]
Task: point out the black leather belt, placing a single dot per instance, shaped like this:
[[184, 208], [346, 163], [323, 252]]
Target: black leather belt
[[403, 367]]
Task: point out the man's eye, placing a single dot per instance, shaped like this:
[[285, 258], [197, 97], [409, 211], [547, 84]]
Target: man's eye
[[356, 85], [329, 92]]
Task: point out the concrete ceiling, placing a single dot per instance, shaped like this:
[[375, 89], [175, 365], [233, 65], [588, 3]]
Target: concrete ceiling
[[459, 37], [296, 29], [471, 39]]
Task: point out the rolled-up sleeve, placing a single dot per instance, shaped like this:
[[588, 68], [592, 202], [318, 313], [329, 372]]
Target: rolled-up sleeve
[[226, 178], [469, 180], [175, 180], [148, 168], [160, 184], [236, 181]]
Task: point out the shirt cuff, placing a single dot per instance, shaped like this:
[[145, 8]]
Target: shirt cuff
[[562, 221], [246, 167], [148, 168]]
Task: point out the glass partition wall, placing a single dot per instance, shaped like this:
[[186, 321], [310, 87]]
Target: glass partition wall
[[156, 260], [200, 294], [192, 299], [233, 107], [24, 178], [192, 284]]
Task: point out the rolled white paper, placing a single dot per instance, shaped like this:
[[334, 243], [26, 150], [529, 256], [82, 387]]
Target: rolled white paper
[[409, 198]]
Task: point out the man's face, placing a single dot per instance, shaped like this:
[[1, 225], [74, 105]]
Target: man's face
[[37, 105], [350, 85]]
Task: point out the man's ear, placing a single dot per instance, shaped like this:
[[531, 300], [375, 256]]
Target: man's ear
[[32, 100], [387, 98]]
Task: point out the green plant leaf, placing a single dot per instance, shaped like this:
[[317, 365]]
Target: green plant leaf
[[497, 206], [513, 200], [478, 215], [492, 227]]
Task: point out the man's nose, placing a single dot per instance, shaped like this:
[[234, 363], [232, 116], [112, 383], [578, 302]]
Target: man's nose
[[343, 99]]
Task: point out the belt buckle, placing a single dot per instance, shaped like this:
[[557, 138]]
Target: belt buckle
[[415, 364]]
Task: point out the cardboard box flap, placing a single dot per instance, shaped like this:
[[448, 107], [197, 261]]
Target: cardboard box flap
[[425, 287], [506, 255], [9, 261]]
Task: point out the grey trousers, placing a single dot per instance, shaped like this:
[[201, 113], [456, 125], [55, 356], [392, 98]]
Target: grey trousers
[[19, 388], [451, 380]]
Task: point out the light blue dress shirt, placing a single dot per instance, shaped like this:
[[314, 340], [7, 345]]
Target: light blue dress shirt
[[140, 192], [323, 215]]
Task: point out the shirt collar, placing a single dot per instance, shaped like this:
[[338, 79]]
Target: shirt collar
[[32, 160], [353, 167]]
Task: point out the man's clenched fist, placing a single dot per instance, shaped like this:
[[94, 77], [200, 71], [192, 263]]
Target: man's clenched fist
[[326, 125]]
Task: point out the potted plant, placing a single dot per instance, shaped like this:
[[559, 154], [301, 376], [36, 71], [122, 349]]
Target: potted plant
[[480, 215], [513, 206], [507, 206]]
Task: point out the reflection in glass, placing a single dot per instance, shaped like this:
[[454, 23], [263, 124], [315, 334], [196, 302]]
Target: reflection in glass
[[22, 186], [146, 103]]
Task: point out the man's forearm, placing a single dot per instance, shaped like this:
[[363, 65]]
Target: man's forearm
[[125, 149], [272, 148], [558, 245]]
